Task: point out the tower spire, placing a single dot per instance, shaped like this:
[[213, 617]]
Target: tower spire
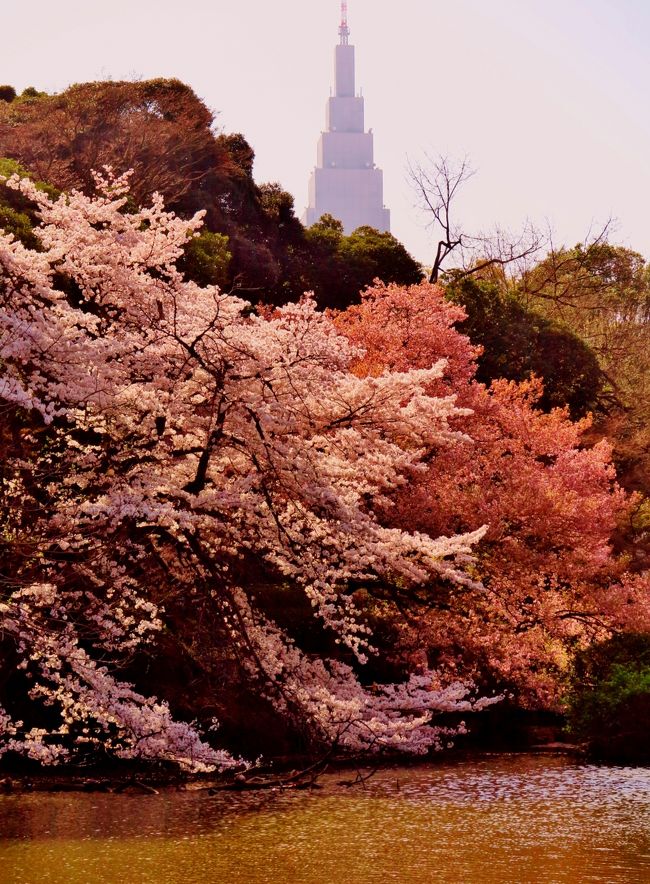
[[346, 183], [344, 30]]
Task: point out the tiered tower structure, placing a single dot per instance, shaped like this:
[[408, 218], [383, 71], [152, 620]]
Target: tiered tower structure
[[346, 183]]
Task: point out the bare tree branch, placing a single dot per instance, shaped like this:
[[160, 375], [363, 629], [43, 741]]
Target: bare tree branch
[[437, 183]]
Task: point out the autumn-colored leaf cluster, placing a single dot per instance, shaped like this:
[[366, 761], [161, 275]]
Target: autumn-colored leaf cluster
[[549, 578]]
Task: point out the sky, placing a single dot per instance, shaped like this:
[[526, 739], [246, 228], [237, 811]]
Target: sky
[[547, 98]]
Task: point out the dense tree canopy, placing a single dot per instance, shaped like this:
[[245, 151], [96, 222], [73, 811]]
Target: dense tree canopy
[[344, 265], [166, 456], [332, 523], [63, 138], [166, 135], [609, 704]]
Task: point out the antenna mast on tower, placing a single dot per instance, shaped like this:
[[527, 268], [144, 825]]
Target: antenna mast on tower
[[344, 30]]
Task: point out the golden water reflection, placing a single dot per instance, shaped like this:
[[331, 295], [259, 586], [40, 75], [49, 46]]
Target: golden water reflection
[[504, 819]]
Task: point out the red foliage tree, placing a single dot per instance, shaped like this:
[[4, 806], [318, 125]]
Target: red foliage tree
[[157, 128], [549, 580]]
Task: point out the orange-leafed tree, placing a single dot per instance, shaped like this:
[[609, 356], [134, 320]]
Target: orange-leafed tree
[[548, 578]]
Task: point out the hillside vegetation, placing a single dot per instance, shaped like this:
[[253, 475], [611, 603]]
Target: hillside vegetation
[[238, 521]]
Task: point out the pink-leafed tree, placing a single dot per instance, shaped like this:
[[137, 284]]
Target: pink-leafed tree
[[166, 449], [547, 580]]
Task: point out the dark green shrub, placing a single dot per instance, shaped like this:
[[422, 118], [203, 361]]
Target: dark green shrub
[[206, 259], [518, 343], [609, 704], [19, 224], [7, 93]]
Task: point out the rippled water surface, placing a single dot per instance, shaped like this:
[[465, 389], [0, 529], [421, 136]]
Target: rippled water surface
[[519, 819]]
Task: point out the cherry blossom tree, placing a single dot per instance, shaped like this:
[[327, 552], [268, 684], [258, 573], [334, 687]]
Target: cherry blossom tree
[[163, 443]]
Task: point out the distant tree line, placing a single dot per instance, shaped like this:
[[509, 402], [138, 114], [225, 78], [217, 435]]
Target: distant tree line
[[252, 239]]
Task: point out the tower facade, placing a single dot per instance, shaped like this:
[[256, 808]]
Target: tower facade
[[346, 183]]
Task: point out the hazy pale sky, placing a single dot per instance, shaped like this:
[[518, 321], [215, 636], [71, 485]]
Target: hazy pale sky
[[548, 98]]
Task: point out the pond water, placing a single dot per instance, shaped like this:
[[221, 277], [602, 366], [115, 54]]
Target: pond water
[[519, 819]]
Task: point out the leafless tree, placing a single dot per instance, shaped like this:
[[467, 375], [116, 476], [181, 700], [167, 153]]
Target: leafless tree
[[437, 182]]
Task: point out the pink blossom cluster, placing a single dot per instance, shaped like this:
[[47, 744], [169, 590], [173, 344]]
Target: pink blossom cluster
[[170, 443]]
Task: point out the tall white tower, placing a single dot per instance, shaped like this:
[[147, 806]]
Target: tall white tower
[[346, 183]]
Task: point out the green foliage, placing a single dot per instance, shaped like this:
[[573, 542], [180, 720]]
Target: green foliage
[[9, 167], [342, 266], [517, 343], [207, 259], [609, 704], [240, 151], [601, 293], [641, 516], [589, 286], [382, 255], [17, 213], [327, 223], [19, 224], [277, 204], [7, 93]]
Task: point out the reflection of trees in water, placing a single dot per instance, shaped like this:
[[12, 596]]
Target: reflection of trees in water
[[551, 788], [80, 816]]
